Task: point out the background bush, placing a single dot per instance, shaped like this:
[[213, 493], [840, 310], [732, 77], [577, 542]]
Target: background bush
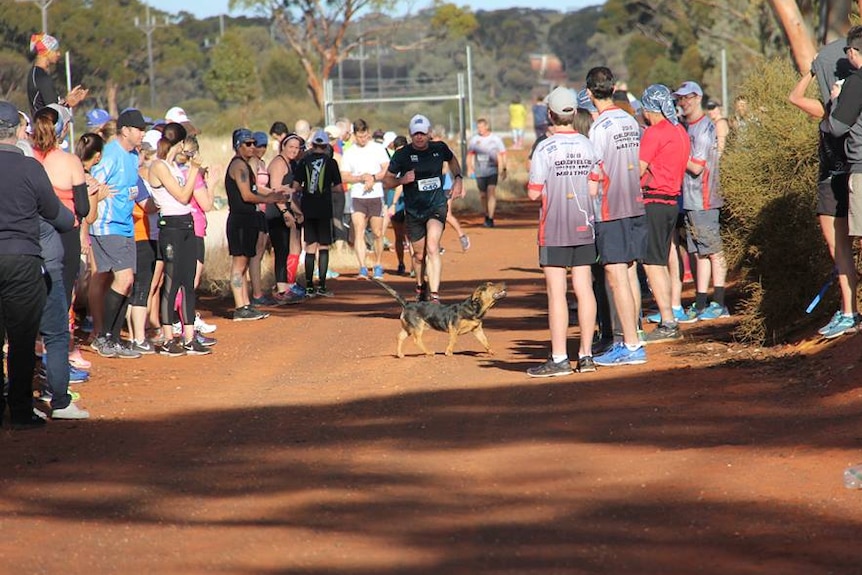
[[771, 233]]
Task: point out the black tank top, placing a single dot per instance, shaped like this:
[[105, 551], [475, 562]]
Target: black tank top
[[235, 203]]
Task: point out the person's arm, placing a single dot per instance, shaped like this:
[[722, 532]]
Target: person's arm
[[392, 179], [80, 191], [502, 163], [65, 220], [722, 128], [699, 152], [457, 178], [846, 109], [471, 160], [797, 97], [203, 194], [160, 175], [239, 171]]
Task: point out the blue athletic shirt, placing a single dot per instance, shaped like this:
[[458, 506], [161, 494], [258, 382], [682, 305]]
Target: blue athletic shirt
[[118, 169]]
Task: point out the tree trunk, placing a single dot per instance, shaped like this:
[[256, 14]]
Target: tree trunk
[[111, 96], [798, 35]]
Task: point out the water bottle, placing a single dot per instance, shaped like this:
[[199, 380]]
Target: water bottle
[[853, 477]]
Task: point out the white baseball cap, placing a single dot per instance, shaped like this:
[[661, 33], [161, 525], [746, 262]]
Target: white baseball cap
[[176, 114]]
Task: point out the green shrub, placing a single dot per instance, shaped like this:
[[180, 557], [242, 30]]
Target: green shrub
[[768, 177]]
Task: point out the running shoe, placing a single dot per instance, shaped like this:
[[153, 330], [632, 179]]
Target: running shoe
[[77, 375], [602, 345], [690, 315], [323, 292], [247, 313], [401, 270], [663, 333], [124, 350], [422, 293], [489, 222], [297, 289], [619, 354], [679, 314], [836, 317], [287, 297], [194, 347], [263, 301], [46, 396], [363, 273], [551, 369], [844, 325], [586, 364], [70, 412], [465, 242], [205, 340], [144, 347], [310, 292], [202, 326], [173, 348], [78, 361], [103, 346], [713, 311], [378, 272]]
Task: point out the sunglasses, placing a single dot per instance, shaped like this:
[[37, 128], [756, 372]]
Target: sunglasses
[[248, 144], [189, 153], [848, 48]]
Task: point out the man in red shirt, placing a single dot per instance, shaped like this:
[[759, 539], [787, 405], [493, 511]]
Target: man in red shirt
[[664, 153]]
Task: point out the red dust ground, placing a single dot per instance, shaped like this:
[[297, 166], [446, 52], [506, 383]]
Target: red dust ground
[[303, 446]]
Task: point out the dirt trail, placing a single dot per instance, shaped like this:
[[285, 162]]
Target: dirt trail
[[304, 446]]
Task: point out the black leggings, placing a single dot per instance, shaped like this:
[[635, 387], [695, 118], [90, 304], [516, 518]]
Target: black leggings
[[178, 248], [279, 236], [71, 241]]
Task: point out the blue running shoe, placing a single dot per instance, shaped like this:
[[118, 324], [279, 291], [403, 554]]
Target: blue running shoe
[[713, 311], [77, 375], [836, 317], [844, 325], [619, 354], [690, 315], [679, 314]]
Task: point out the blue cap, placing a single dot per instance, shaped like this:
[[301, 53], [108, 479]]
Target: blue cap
[[584, 102], [320, 138], [241, 135], [260, 139], [9, 117], [97, 117]]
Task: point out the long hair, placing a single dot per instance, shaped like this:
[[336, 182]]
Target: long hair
[[45, 129], [173, 134]]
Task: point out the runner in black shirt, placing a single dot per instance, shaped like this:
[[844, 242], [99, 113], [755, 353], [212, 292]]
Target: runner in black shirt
[[40, 87], [418, 168]]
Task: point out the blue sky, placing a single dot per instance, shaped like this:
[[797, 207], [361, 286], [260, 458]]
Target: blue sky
[[205, 8]]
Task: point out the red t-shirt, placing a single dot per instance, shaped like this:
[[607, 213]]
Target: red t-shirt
[[666, 148]]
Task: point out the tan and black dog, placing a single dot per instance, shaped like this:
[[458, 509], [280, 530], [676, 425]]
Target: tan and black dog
[[454, 319]]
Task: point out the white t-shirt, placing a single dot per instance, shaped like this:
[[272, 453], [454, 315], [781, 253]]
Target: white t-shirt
[[360, 160]]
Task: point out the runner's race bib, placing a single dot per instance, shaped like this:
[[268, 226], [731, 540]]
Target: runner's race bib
[[429, 184], [133, 192]]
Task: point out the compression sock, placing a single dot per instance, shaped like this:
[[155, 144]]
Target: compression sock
[[292, 266], [718, 295], [113, 306], [700, 301], [322, 265], [309, 270]]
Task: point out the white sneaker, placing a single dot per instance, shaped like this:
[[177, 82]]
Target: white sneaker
[[70, 412], [202, 326]]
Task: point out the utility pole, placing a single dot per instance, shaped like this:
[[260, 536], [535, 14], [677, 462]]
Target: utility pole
[[148, 27], [43, 4]]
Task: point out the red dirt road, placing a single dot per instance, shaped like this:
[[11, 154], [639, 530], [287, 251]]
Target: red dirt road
[[303, 446]]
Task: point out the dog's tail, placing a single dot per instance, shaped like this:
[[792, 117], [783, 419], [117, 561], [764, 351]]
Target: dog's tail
[[391, 291]]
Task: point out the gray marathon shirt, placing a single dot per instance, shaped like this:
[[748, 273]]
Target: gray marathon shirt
[[616, 137], [702, 192], [486, 149]]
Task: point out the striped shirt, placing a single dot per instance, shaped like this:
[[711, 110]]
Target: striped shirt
[[561, 169], [616, 137]]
